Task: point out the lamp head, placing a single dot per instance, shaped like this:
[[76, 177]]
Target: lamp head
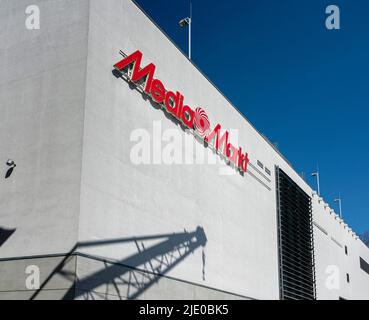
[[184, 22]]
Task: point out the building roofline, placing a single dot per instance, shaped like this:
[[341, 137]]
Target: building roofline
[[221, 93]]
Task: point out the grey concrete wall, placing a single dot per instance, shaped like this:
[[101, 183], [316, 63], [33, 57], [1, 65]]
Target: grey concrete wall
[[55, 277], [42, 94], [108, 281]]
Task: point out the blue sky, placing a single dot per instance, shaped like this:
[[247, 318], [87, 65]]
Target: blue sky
[[303, 86]]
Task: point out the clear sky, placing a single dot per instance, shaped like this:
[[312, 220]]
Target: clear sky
[[303, 86]]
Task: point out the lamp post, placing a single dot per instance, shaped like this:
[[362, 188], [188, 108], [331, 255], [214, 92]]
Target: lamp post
[[339, 204], [316, 174], [187, 22]]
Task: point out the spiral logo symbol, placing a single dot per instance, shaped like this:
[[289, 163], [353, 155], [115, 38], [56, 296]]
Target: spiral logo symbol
[[202, 124]]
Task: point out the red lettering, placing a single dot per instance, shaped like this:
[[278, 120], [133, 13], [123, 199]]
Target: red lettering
[[174, 105], [188, 116], [157, 91], [218, 142], [146, 73], [180, 105], [171, 102], [232, 153], [243, 160]]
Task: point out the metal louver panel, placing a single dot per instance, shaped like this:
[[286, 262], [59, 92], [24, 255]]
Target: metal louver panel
[[295, 237]]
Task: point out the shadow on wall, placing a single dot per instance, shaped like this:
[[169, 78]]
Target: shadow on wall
[[133, 275], [9, 172], [5, 235], [135, 86]]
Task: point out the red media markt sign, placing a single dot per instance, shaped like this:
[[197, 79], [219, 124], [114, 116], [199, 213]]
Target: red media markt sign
[[194, 119]]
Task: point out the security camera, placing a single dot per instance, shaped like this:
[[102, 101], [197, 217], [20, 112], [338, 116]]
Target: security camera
[[10, 163]]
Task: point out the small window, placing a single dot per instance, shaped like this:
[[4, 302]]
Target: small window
[[346, 251], [267, 171], [348, 278], [260, 164], [364, 265]]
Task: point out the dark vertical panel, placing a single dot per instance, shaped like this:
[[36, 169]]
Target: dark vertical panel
[[295, 237], [364, 265]]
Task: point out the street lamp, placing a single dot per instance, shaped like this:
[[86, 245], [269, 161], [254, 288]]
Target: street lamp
[[339, 204], [187, 22], [316, 174]]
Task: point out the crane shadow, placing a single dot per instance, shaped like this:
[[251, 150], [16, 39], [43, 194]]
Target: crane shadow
[[133, 275]]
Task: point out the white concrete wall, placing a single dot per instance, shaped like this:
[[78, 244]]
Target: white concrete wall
[[42, 91], [332, 263]]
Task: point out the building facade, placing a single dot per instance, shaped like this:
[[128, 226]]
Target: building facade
[[120, 189]]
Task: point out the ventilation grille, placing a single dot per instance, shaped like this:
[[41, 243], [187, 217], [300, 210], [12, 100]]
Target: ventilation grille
[[296, 245]]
